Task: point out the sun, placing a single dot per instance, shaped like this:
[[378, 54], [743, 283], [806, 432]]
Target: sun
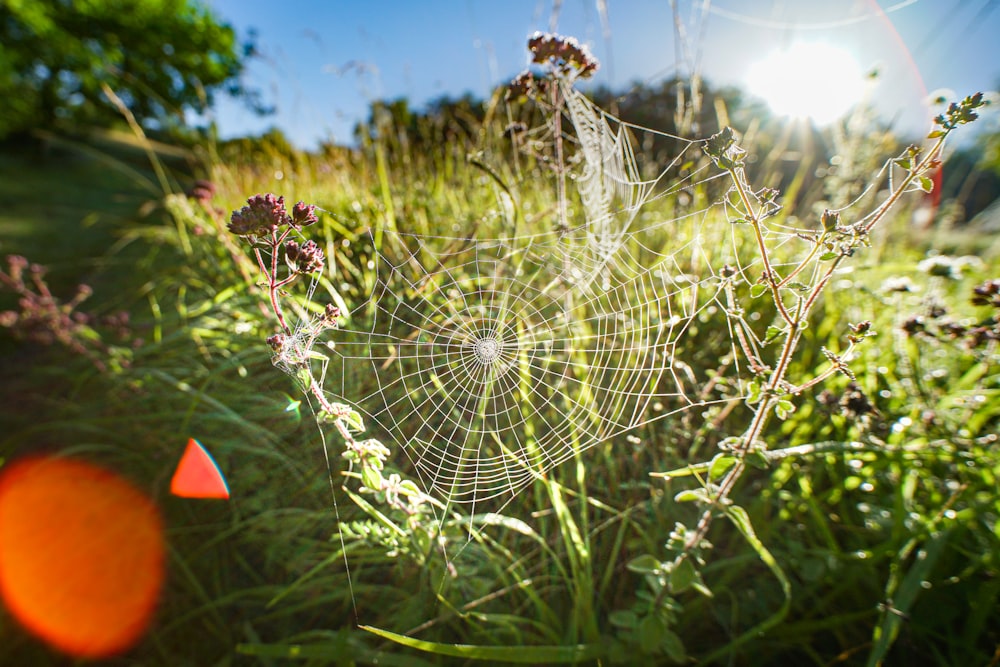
[[808, 80]]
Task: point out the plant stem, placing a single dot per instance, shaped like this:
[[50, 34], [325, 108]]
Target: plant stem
[[770, 275], [776, 380]]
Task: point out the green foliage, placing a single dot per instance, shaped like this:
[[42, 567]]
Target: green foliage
[[161, 57], [863, 523]]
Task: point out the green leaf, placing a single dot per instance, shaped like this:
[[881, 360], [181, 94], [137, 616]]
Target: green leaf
[[422, 540], [741, 520], [691, 495], [772, 333], [649, 631], [926, 184], [758, 291], [644, 564], [371, 477], [936, 133], [783, 408], [719, 465], [903, 588], [682, 576], [828, 256], [532, 655], [624, 618], [753, 392], [758, 460], [673, 646], [354, 420]]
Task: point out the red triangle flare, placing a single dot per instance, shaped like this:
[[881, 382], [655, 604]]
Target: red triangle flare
[[197, 475]]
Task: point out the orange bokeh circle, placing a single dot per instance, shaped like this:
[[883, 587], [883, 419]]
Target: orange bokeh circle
[[81, 554]]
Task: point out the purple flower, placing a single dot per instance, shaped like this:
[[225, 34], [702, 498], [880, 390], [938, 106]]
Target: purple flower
[[305, 258], [262, 215], [304, 214]]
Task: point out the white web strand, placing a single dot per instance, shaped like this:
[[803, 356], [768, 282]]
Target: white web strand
[[487, 374], [490, 361]]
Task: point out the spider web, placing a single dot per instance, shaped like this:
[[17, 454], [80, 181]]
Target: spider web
[[490, 360]]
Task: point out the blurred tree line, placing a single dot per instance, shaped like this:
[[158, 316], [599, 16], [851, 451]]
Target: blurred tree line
[[826, 167], [160, 57]]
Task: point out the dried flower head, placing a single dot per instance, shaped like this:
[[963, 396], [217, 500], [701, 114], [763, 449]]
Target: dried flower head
[[854, 403], [987, 293], [526, 84], [565, 54], [202, 191], [330, 315], [276, 342]]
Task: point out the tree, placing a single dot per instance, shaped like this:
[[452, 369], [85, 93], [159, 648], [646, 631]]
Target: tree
[[161, 57]]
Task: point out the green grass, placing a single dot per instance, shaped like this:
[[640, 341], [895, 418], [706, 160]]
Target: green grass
[[843, 550]]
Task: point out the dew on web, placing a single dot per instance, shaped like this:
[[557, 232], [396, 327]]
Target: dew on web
[[490, 360]]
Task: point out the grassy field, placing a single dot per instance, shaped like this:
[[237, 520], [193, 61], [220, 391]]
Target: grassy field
[[863, 531]]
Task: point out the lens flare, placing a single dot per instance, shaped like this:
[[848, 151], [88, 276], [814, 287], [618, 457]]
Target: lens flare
[[197, 475], [808, 80], [81, 555]]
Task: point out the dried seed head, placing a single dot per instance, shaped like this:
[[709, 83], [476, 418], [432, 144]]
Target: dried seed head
[[854, 403], [564, 53], [987, 294]]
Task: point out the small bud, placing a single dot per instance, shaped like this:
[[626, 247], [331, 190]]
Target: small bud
[[722, 148], [276, 342], [305, 258], [854, 403], [831, 220], [304, 214], [330, 315], [860, 330], [914, 325]]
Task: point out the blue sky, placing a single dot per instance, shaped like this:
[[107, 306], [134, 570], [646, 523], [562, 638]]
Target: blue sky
[[324, 61]]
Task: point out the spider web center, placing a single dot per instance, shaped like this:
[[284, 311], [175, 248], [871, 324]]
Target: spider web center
[[487, 349]]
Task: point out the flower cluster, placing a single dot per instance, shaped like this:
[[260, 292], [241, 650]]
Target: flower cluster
[[564, 53], [987, 294], [959, 113], [304, 258], [852, 404], [937, 324], [265, 213], [202, 191], [526, 84], [946, 266], [44, 319]]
